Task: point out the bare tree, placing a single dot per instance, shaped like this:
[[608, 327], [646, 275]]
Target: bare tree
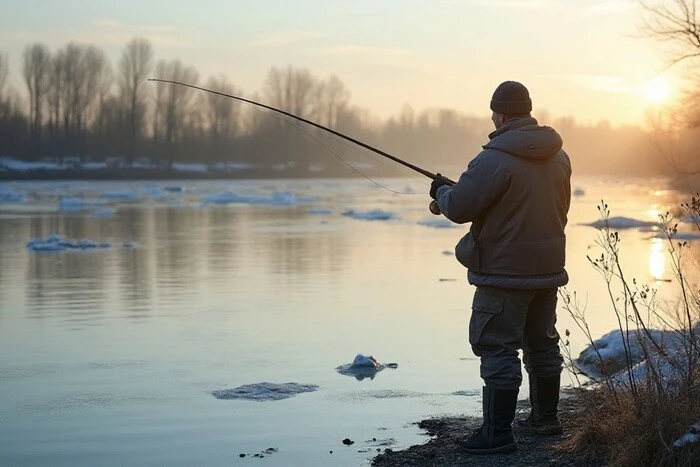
[[4, 72], [135, 65], [35, 69], [674, 21], [330, 97], [221, 113], [291, 90], [173, 103]]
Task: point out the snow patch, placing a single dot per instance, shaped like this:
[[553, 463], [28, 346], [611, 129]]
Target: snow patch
[[608, 354], [264, 391], [691, 437]]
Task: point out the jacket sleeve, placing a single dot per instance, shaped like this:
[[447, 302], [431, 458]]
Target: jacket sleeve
[[477, 188]]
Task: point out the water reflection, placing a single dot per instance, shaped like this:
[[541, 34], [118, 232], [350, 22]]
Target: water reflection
[[185, 253], [657, 259]]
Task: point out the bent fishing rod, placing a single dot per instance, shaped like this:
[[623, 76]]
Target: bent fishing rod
[[433, 204]]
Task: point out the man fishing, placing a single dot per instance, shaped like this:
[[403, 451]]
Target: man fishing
[[516, 194]]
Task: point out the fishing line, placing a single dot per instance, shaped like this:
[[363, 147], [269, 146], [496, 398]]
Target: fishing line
[[308, 132]]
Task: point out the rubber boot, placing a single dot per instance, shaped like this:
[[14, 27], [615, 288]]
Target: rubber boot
[[496, 434], [544, 399]]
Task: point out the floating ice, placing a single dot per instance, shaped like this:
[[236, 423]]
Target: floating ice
[[438, 223], [364, 366], [264, 391], [448, 252], [579, 192], [278, 198], [691, 437], [467, 393], [77, 204], [104, 212], [622, 223], [11, 197], [373, 215], [681, 235], [319, 211], [56, 242], [122, 195]]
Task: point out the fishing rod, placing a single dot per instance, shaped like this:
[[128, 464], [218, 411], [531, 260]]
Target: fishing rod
[[433, 204]]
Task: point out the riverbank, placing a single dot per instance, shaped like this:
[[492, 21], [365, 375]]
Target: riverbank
[[447, 433]]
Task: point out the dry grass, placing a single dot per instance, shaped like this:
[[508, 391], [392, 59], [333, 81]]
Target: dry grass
[[633, 421]]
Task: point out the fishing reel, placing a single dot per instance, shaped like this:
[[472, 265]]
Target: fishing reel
[[434, 208]]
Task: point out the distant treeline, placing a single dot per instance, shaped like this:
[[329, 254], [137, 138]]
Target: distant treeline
[[78, 106]]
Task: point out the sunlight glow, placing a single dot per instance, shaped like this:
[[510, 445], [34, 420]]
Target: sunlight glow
[[657, 90], [657, 259]]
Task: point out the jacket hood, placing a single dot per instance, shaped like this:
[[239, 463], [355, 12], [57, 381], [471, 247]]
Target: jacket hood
[[523, 137]]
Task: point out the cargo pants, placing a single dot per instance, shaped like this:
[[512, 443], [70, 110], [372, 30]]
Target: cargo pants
[[504, 321]]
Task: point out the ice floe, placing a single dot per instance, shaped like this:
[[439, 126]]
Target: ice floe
[[579, 192], [438, 223], [264, 391], [104, 212], [278, 198], [364, 366], [56, 242], [373, 215], [8, 196], [620, 222], [686, 236], [122, 195], [319, 211], [78, 204]]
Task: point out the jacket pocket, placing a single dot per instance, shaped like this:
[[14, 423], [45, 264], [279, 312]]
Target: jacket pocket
[[482, 330]]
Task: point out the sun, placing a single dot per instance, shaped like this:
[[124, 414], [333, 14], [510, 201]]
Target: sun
[[657, 90]]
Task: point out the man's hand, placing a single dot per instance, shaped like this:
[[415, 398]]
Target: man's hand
[[437, 183]]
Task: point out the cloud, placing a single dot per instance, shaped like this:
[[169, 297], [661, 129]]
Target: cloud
[[285, 38]]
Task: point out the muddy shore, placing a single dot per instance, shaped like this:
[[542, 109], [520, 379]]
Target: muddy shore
[[447, 433]]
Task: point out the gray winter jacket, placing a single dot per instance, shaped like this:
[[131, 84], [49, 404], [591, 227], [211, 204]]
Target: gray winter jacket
[[516, 193]]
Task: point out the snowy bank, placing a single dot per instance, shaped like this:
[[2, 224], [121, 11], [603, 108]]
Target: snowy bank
[[609, 354]]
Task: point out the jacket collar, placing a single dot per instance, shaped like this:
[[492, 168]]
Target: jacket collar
[[513, 124]]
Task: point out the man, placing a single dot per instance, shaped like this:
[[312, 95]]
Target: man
[[516, 194]]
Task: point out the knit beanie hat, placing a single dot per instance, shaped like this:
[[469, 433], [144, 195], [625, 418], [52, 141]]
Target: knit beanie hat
[[511, 98]]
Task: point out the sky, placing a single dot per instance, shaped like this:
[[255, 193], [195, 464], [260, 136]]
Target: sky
[[583, 58]]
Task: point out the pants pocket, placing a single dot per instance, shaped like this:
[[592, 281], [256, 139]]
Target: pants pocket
[[485, 308]]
